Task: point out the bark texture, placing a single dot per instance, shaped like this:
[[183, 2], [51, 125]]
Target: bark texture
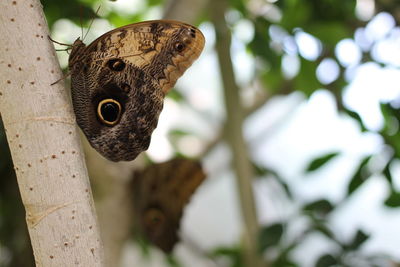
[[44, 142]]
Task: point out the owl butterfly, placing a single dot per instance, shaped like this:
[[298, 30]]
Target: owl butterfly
[[119, 81], [161, 192]]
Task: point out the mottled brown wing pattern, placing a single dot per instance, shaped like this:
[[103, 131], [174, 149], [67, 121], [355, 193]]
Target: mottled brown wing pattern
[[161, 193], [119, 81]]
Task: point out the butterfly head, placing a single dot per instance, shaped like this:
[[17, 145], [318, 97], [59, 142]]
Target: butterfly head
[[77, 51]]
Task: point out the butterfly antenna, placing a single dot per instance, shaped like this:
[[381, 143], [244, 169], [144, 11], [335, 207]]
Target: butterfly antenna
[[54, 41], [62, 78], [80, 20], [91, 23]]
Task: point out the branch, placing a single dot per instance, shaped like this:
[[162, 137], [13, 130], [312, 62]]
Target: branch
[[234, 136], [187, 11], [44, 142]]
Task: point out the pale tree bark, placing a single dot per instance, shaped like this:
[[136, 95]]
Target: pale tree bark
[[44, 142]]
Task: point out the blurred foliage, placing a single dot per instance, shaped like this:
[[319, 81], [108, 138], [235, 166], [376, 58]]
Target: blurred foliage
[[329, 22], [318, 162]]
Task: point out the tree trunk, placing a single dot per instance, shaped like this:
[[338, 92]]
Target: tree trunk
[[44, 142]]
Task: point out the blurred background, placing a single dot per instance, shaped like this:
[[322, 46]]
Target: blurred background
[[293, 109]]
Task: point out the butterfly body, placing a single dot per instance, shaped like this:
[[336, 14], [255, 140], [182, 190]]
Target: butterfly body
[[119, 81]]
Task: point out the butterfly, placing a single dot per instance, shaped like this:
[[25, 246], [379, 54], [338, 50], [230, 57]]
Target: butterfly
[[119, 81], [161, 192]]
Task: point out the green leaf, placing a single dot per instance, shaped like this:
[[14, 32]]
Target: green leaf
[[326, 260], [232, 253], [76, 11], [387, 173], [273, 80], [284, 261], [117, 20], [175, 95], [393, 200], [177, 133], [359, 239], [295, 13], [154, 2], [330, 33], [391, 116], [359, 176], [143, 244], [172, 261], [264, 172], [306, 81], [239, 5], [259, 45], [320, 161], [270, 236], [322, 207], [357, 117], [283, 258], [323, 229], [389, 132]]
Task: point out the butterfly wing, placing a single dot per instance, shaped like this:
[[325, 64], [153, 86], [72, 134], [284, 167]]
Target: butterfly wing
[[161, 193], [119, 82]]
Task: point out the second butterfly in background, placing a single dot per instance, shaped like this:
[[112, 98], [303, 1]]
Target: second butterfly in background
[[161, 193]]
